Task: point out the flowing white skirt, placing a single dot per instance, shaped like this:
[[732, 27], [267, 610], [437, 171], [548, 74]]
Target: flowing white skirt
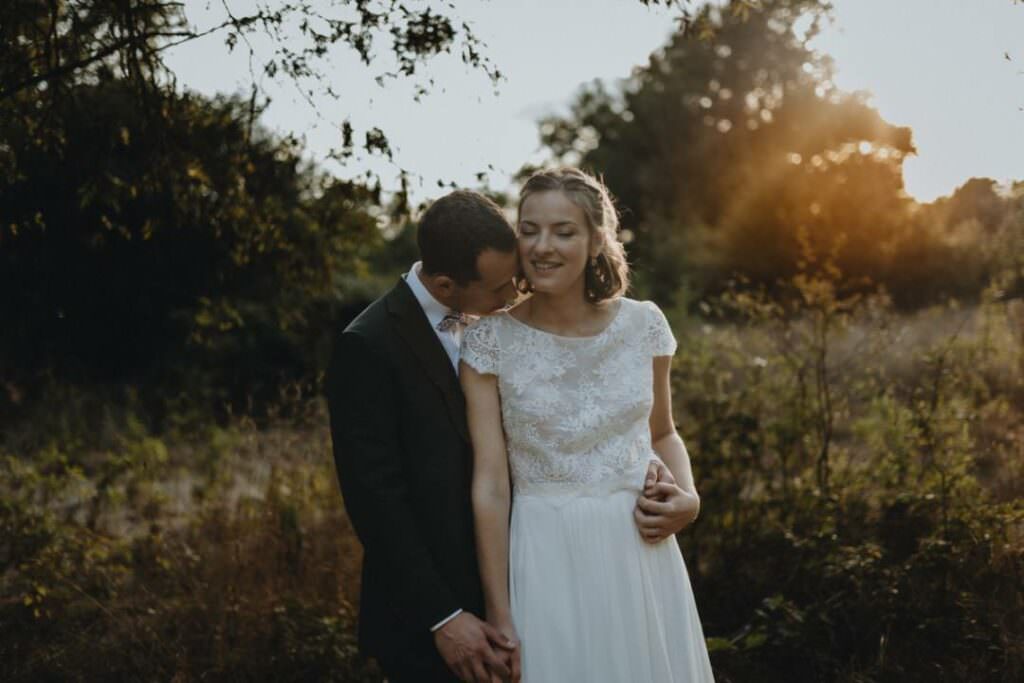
[[591, 601]]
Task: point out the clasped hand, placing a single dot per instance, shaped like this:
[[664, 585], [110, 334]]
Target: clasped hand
[[477, 651], [664, 508]]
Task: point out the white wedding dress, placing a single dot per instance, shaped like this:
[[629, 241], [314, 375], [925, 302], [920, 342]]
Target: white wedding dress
[[591, 601]]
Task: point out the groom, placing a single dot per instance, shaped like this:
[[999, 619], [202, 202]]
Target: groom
[[403, 455]]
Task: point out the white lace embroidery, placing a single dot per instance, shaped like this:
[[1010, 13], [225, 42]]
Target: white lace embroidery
[[480, 347], [575, 410], [658, 335]]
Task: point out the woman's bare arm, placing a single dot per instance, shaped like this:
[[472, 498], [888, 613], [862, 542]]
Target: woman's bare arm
[[664, 438], [491, 490], [666, 507]]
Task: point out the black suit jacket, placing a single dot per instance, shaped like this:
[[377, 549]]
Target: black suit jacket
[[402, 450]]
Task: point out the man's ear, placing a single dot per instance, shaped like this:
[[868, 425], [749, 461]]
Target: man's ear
[[444, 285]]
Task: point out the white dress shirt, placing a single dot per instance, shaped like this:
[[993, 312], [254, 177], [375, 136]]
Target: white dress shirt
[[450, 339]]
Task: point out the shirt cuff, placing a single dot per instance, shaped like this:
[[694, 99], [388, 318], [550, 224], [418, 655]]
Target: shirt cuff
[[445, 620]]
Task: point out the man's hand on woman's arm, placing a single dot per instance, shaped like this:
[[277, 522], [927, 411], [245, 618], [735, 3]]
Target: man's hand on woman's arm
[[664, 509]]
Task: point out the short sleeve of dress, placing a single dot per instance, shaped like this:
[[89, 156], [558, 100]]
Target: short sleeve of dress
[[658, 336], [480, 349]]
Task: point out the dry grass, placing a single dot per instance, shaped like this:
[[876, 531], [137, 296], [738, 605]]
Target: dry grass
[[224, 553]]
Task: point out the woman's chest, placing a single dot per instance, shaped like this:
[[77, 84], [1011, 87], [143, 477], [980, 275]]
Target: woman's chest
[[582, 385]]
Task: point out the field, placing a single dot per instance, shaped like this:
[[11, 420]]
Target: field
[[860, 472]]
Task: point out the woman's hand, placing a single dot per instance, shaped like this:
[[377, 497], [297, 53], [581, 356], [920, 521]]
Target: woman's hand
[[512, 654], [473, 649]]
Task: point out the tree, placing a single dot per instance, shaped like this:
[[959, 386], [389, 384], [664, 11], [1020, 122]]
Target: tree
[[155, 238], [53, 45], [48, 45], [158, 239], [721, 151], [163, 248]]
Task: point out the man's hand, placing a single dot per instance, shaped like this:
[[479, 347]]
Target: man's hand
[[664, 509], [467, 645]]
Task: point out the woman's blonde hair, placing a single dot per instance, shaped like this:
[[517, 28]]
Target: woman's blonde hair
[[606, 276]]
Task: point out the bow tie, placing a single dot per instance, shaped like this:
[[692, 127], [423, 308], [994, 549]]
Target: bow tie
[[452, 319]]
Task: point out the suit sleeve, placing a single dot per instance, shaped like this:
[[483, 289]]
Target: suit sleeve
[[362, 403]]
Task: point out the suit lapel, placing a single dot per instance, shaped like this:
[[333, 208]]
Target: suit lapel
[[419, 336]]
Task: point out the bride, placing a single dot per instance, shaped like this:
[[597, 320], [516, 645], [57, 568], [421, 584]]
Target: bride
[[569, 406]]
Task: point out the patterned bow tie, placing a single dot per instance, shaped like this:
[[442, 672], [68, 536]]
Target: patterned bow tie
[[452, 319]]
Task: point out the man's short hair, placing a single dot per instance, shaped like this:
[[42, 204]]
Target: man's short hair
[[456, 229]]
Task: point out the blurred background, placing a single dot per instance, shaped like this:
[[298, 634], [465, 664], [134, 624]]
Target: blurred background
[[827, 199]]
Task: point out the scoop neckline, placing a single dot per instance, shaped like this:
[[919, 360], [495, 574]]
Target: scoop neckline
[[604, 330]]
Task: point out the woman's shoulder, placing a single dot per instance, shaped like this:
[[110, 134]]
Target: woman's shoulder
[[492, 329], [640, 310], [489, 323], [647, 323], [639, 303], [515, 311], [481, 344]]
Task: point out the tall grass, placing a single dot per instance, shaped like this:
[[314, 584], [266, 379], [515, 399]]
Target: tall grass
[[861, 476], [860, 471], [227, 557]]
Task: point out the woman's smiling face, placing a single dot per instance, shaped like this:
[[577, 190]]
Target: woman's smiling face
[[554, 242]]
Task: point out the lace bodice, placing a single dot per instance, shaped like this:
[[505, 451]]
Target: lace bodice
[[575, 409]]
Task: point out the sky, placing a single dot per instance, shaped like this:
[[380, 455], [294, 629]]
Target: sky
[[938, 66]]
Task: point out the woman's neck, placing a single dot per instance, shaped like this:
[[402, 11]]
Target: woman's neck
[[564, 312]]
